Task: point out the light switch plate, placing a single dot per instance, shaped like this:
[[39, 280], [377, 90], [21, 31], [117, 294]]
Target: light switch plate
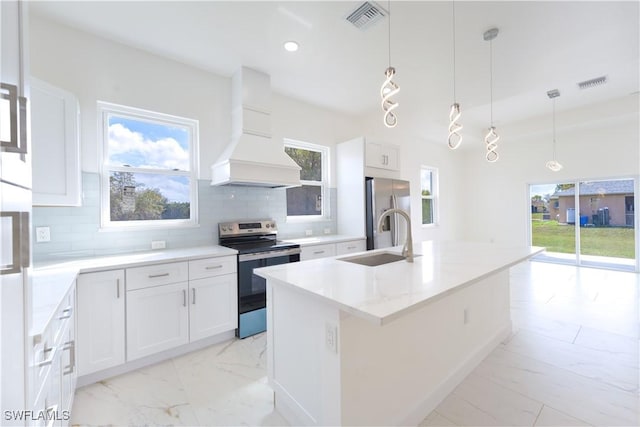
[[43, 234], [308, 232], [158, 244]]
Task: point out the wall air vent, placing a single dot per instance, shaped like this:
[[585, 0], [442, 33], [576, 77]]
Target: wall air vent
[[367, 14], [598, 81]]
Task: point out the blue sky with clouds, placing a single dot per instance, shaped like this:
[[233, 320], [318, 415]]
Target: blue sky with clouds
[[152, 145]]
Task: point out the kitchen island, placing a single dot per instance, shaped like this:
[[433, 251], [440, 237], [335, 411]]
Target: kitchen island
[[350, 344]]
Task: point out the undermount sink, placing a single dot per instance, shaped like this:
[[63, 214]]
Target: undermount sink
[[375, 259]]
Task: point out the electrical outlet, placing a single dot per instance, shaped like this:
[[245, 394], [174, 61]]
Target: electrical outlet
[[158, 244], [331, 337], [308, 232], [327, 231], [43, 234]]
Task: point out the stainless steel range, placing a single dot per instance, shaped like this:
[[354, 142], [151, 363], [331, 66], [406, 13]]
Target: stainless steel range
[[257, 246]]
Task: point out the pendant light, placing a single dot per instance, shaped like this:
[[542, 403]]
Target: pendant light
[[553, 164], [455, 139], [491, 138], [389, 87]]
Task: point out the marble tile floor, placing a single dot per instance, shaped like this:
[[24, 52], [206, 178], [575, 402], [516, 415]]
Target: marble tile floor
[[572, 360]]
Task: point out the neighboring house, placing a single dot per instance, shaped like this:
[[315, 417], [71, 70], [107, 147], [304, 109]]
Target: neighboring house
[[602, 203]]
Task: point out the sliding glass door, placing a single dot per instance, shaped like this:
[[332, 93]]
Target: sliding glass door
[[553, 221], [607, 223], [587, 223]]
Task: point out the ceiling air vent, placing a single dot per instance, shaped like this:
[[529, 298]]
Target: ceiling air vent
[[598, 81], [367, 14]]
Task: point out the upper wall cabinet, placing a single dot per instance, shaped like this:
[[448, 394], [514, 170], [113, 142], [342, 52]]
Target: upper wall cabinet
[[382, 156], [55, 119]]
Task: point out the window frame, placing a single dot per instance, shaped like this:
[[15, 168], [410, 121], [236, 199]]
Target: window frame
[[104, 111], [434, 197], [323, 184]]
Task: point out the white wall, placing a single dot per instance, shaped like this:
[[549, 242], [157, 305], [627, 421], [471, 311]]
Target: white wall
[[594, 143]]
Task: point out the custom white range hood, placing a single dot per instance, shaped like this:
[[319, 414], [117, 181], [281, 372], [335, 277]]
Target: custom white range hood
[[253, 158]]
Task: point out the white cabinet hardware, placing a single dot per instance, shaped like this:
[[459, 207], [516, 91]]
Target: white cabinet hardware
[[48, 360]]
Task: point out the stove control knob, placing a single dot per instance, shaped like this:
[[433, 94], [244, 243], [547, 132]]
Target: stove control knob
[[268, 225], [224, 228]]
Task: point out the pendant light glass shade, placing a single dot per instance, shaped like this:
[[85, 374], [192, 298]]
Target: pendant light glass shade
[[554, 165], [491, 138], [389, 88], [455, 138], [491, 141]]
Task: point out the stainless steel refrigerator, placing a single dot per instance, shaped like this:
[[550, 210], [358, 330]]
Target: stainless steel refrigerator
[[382, 194]]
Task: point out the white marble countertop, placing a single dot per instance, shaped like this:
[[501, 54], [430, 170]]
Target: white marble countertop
[[51, 281], [327, 238], [388, 291]]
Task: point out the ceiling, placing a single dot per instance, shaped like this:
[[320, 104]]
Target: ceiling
[[541, 46]]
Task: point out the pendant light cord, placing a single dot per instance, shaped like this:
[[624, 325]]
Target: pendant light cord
[[554, 128], [491, 78], [389, 29], [453, 7]]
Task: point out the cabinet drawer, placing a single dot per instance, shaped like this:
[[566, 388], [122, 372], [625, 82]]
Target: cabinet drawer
[[209, 267], [352, 246], [317, 251], [156, 275]]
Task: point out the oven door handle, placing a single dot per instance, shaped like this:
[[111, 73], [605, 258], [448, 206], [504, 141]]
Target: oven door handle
[[269, 254]]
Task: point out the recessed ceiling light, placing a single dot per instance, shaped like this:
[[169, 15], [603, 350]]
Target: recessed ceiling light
[[291, 46]]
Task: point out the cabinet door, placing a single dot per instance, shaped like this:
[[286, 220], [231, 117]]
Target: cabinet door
[[15, 146], [317, 251], [157, 319], [56, 146], [350, 247], [213, 306], [100, 321], [381, 156]]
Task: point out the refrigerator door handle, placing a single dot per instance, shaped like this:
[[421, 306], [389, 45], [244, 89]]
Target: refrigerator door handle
[[19, 242]]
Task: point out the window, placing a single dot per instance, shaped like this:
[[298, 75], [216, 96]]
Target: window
[[149, 173], [428, 191], [308, 201]]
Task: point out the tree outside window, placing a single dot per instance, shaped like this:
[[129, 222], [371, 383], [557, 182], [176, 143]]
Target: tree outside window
[[148, 168], [307, 200], [428, 192]]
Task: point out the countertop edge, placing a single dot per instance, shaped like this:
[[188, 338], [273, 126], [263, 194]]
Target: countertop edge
[[64, 273]]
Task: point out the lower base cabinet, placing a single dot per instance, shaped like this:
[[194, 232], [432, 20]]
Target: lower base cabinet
[[157, 319], [101, 321], [54, 370], [212, 307]]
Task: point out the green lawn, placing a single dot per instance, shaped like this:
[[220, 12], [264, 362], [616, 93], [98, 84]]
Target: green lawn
[[600, 241]]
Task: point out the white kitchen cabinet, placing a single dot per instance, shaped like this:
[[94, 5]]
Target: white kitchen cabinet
[[355, 160], [101, 321], [164, 310], [55, 117], [15, 136], [157, 319], [53, 371], [213, 305], [317, 251], [352, 246], [213, 292], [382, 156]]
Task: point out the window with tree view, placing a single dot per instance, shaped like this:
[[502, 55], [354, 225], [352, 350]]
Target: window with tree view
[[148, 168], [308, 199], [428, 191]]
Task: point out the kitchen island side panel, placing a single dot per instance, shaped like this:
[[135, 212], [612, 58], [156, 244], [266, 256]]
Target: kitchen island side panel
[[398, 373], [302, 370]]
